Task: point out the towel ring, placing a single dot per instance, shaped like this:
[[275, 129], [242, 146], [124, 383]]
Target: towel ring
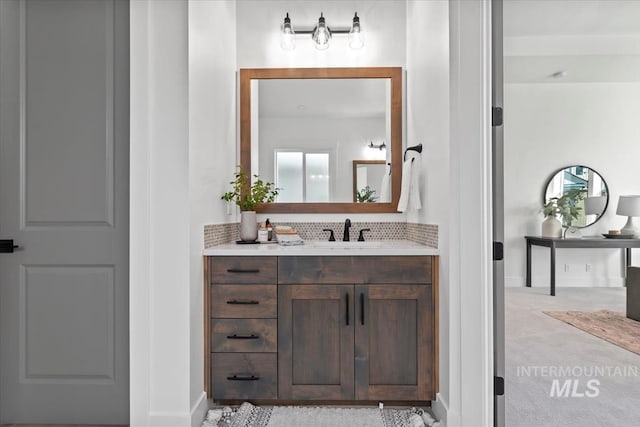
[[417, 148]]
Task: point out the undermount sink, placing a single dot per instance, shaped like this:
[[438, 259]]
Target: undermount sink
[[345, 245]]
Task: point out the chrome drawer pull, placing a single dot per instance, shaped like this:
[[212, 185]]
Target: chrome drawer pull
[[240, 270], [241, 302], [243, 378], [242, 337]]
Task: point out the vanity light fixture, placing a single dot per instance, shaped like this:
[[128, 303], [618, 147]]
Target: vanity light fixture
[[378, 146], [321, 33]]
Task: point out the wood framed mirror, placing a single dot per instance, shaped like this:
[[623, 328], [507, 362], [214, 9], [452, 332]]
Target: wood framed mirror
[[346, 93]]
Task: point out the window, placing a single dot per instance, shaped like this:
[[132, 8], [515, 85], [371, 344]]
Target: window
[[302, 176]]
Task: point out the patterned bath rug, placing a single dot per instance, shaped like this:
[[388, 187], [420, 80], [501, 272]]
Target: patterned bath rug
[[248, 415], [608, 325]]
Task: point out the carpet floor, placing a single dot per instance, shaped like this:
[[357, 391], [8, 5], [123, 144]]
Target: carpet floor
[[538, 348]]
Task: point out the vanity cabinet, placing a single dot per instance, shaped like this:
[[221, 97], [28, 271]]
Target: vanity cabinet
[[243, 328], [371, 337], [324, 328]]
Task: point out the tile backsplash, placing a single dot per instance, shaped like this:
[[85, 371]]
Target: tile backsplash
[[426, 234]]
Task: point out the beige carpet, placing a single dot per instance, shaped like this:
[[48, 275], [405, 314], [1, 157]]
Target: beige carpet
[[608, 325]]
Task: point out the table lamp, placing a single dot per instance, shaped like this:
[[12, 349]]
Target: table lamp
[[595, 205], [629, 206]]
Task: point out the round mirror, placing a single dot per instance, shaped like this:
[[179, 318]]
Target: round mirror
[[581, 193]]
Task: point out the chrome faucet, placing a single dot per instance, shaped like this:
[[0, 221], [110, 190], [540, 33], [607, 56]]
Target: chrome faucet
[[347, 224]]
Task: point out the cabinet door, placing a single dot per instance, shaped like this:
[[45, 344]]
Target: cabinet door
[[394, 342], [315, 342]]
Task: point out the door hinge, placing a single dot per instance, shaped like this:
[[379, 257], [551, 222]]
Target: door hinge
[[498, 386], [496, 116], [498, 251]]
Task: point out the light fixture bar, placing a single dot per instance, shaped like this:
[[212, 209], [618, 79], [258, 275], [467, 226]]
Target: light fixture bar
[[321, 33]]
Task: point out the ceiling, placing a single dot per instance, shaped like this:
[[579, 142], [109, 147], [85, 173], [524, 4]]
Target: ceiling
[[590, 40]]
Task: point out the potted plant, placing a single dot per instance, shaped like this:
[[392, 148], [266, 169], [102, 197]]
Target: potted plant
[[566, 207], [366, 195], [247, 196]]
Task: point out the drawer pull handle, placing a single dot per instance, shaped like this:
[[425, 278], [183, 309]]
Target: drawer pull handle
[[242, 337], [362, 309], [242, 302], [243, 378], [240, 270]]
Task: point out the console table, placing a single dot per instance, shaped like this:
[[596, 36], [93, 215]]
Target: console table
[[554, 243]]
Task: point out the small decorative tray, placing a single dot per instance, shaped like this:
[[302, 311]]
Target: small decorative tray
[[618, 236]]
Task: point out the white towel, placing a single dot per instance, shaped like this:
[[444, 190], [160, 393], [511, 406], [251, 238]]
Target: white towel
[[385, 188], [410, 187], [289, 240]]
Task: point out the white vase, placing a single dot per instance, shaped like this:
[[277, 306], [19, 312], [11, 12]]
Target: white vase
[[248, 226], [551, 227]]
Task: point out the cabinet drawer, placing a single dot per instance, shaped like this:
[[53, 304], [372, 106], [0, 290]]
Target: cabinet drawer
[[244, 269], [244, 376], [358, 269], [244, 335], [243, 301]]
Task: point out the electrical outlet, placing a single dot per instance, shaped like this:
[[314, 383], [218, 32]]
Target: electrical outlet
[[587, 268], [566, 268]]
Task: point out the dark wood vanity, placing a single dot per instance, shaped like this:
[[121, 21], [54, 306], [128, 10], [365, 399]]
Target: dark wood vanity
[[332, 329]]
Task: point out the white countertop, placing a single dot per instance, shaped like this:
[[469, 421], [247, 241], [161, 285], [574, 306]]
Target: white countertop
[[324, 248]]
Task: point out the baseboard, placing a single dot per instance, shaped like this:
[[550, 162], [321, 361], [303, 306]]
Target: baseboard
[[440, 410], [169, 419], [199, 410], [572, 281]]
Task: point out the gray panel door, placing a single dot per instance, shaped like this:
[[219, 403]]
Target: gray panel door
[[64, 142]]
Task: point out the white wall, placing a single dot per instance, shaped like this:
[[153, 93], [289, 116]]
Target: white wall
[[428, 123], [159, 230], [470, 231], [552, 125], [212, 131]]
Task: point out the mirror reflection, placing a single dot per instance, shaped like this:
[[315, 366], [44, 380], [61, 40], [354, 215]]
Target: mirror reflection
[[370, 181], [309, 131], [586, 187]]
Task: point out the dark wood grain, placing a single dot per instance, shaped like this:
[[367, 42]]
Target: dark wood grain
[[223, 295], [315, 344], [394, 74], [357, 269], [207, 322], [244, 269], [265, 331], [394, 347], [262, 365]]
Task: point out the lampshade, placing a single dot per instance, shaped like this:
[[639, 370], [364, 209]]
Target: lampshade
[[595, 205], [628, 206]]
